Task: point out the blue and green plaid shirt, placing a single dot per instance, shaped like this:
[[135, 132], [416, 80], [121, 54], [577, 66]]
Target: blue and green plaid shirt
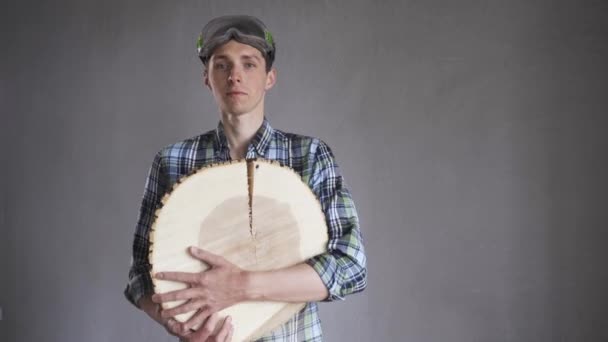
[[342, 269]]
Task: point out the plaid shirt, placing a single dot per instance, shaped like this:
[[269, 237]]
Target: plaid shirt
[[342, 268]]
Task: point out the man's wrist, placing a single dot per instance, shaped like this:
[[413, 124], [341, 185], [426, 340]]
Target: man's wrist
[[253, 290]]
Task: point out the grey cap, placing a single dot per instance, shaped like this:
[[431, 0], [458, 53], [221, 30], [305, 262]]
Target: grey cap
[[242, 28]]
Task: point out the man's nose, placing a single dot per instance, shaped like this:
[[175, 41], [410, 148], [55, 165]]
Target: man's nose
[[235, 74]]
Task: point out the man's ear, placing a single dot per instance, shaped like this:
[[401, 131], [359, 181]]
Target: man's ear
[[271, 79], [206, 78]]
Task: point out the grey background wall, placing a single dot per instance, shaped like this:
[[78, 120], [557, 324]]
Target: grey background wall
[[471, 133]]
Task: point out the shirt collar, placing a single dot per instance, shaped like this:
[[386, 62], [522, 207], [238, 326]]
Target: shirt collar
[[259, 142], [222, 143]]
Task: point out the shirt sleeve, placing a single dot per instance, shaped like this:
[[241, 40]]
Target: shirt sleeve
[[140, 282], [343, 267]]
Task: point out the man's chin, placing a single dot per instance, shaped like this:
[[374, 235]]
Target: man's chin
[[236, 111]]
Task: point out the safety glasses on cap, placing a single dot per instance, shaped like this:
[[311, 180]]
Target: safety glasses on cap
[[242, 28]]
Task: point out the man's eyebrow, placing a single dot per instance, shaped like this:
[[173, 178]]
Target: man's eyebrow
[[251, 57], [247, 57]]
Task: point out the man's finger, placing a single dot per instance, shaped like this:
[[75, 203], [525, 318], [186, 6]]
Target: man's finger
[[183, 277], [189, 306], [206, 330], [196, 321], [230, 333], [175, 328], [207, 257], [183, 294], [172, 327], [222, 335]]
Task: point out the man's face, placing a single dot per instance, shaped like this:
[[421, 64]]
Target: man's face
[[236, 74]]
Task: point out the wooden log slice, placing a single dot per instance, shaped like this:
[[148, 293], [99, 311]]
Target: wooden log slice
[[256, 214]]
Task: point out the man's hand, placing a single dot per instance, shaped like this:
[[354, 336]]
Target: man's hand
[[153, 310], [220, 286], [209, 332], [174, 328]]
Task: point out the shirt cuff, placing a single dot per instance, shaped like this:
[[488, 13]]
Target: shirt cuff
[[139, 286], [326, 266]]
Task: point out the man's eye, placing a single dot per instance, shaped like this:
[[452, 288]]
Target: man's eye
[[220, 66], [249, 65]]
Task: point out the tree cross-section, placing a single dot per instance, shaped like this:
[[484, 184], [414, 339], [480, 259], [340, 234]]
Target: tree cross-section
[[257, 214]]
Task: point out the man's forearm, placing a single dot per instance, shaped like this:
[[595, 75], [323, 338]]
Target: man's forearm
[[299, 283], [225, 284], [151, 309]]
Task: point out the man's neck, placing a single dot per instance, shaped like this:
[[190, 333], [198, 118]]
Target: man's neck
[[239, 130]]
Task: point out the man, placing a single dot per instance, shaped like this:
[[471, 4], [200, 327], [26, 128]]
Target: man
[[237, 53]]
